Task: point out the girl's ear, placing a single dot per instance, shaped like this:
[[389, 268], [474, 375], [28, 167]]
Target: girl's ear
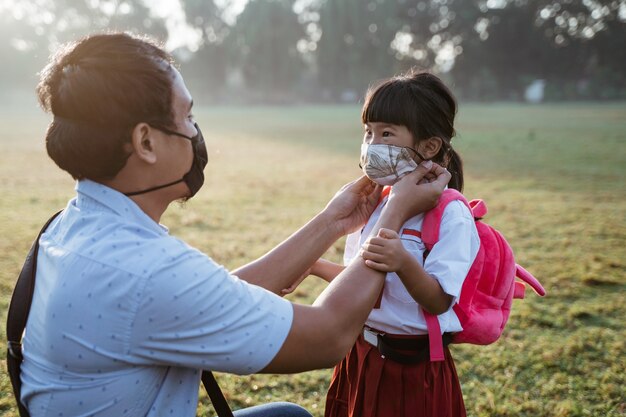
[[430, 147], [142, 143]]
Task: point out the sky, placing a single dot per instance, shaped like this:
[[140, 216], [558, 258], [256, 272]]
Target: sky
[[180, 33]]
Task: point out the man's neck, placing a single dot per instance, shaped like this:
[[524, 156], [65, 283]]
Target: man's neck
[[153, 204], [153, 207]]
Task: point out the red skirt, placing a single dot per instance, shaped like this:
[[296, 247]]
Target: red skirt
[[366, 385]]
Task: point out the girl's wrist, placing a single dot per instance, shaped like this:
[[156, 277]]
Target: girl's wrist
[[407, 264], [392, 217], [315, 268]]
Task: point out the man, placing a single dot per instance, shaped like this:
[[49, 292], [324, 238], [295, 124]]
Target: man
[[124, 315]]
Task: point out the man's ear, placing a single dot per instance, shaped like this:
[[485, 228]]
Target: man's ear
[[142, 143], [429, 148]]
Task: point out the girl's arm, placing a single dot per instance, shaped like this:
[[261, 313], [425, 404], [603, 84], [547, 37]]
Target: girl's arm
[[326, 270], [449, 260], [424, 289], [385, 253], [322, 268]]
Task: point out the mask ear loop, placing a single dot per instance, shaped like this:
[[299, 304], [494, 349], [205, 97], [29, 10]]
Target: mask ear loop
[[158, 187], [447, 148], [171, 132], [193, 140], [417, 153]]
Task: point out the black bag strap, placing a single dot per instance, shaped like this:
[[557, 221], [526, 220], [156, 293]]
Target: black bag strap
[[215, 394], [19, 308], [17, 316]]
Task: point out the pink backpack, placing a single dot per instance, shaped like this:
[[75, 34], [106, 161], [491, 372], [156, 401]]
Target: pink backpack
[[484, 305]]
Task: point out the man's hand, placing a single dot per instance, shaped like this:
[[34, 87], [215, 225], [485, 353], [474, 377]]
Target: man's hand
[[385, 252], [350, 208]]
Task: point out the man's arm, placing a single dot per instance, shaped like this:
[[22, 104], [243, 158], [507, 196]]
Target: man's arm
[[284, 264], [322, 268], [280, 267], [323, 333]]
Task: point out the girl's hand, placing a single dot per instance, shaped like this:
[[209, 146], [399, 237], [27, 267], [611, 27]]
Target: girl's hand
[[431, 176], [412, 195], [385, 252], [350, 208], [295, 284]]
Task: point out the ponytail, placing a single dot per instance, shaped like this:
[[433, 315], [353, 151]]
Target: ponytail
[[455, 166]]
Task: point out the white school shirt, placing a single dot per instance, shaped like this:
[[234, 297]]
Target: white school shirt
[[125, 316], [448, 262]]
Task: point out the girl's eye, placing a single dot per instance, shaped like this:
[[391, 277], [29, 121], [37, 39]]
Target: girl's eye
[[190, 116], [386, 134]]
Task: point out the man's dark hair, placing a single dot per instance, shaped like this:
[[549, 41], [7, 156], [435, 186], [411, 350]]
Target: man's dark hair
[[98, 89]]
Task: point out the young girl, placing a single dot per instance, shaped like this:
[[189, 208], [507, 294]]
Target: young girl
[[407, 119]]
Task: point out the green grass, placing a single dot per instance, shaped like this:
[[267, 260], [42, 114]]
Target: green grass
[[554, 178]]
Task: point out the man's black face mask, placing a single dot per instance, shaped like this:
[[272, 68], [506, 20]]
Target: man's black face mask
[[194, 178]]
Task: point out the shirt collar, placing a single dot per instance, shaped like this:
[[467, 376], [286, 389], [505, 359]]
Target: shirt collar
[[96, 196]]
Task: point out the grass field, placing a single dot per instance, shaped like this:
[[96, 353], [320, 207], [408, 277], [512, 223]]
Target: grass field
[[554, 178]]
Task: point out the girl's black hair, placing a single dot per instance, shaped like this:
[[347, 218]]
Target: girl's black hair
[[421, 102]]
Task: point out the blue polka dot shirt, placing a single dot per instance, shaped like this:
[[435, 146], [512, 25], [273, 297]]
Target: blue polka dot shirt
[[125, 316]]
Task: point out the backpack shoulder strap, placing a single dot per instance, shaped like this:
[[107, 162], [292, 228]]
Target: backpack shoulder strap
[[432, 218], [17, 316], [430, 236]]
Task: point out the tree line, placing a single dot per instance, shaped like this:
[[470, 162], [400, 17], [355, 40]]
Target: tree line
[[284, 51]]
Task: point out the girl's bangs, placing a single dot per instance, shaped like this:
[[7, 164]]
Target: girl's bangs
[[389, 103]]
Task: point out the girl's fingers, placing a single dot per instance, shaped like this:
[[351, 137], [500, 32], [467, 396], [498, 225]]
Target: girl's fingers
[[373, 244], [443, 177], [388, 234], [378, 241], [373, 250], [377, 265], [377, 257]]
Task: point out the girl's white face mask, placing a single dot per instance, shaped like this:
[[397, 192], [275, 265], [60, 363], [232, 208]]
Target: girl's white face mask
[[386, 164]]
